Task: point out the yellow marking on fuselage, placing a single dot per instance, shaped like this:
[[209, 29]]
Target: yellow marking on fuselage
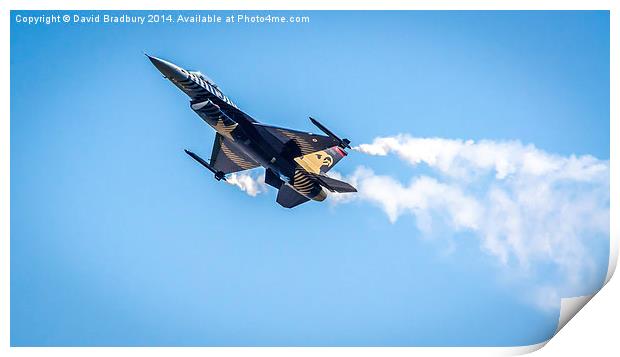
[[314, 161], [225, 130], [236, 159]]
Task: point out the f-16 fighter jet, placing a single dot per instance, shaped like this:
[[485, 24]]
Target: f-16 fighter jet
[[295, 162]]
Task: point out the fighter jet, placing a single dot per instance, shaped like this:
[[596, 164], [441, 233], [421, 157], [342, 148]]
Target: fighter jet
[[295, 162]]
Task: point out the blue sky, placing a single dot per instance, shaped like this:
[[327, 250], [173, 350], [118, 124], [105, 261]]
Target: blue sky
[[118, 238]]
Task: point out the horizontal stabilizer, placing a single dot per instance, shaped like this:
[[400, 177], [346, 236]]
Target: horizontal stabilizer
[[288, 197], [335, 185]]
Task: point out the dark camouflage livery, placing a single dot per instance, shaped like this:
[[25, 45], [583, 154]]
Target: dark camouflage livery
[[295, 162]]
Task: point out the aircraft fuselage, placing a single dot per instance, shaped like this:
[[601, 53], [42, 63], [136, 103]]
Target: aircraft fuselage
[[242, 143], [229, 121]]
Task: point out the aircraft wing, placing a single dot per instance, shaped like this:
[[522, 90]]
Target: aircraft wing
[[228, 159], [306, 142]]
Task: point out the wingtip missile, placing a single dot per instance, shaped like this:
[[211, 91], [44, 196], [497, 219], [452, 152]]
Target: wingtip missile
[[343, 143], [219, 175]]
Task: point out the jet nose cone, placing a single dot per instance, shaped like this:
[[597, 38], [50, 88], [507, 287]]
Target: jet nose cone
[[169, 70]]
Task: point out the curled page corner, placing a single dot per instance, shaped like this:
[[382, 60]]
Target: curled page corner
[[523, 350], [614, 242], [569, 307]]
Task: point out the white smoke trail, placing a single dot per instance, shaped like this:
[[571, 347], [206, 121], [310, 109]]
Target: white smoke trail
[[247, 183], [537, 213], [530, 209], [460, 159]]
